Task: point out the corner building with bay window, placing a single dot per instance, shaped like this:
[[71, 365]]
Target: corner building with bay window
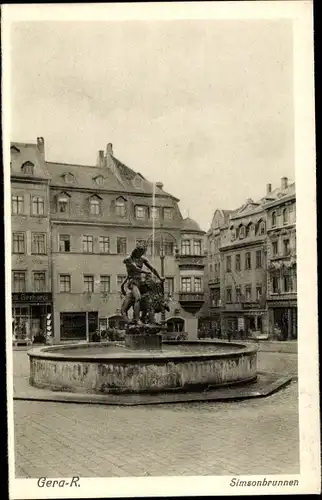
[[94, 216]]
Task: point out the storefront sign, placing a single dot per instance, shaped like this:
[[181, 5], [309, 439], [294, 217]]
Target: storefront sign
[[40, 298]]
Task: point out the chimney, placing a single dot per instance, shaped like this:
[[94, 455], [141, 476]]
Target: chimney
[[268, 189], [159, 185], [41, 144], [101, 159], [284, 182], [109, 149]]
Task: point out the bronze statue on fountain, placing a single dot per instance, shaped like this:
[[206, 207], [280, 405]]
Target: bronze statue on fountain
[[143, 294]]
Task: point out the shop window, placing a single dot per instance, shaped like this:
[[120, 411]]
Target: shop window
[[65, 283], [39, 281], [18, 281], [87, 244], [18, 243], [121, 246], [17, 205], [185, 284], [185, 247], [73, 326], [64, 243], [88, 283], [38, 205], [248, 260], [104, 243], [105, 284], [38, 244]]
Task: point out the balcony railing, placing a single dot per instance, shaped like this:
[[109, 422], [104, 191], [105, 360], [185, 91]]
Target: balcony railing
[[191, 260], [214, 281], [191, 296]]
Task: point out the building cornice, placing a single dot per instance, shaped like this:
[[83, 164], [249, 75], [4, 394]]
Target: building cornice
[[243, 244], [69, 187], [109, 224]]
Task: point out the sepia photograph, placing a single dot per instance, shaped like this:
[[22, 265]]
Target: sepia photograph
[[160, 218]]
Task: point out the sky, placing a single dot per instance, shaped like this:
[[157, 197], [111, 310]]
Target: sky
[[205, 106]]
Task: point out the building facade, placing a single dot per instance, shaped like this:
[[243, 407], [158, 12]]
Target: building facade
[[281, 255], [254, 250], [95, 216]]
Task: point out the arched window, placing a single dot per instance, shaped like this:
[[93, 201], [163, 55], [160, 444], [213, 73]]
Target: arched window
[[28, 168], [94, 206], [273, 219], [262, 227], [242, 232], [285, 216], [99, 180]]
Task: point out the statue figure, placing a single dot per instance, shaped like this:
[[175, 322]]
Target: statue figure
[[141, 293]]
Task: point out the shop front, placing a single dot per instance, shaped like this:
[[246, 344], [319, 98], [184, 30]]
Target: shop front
[[78, 325], [30, 312], [283, 319]]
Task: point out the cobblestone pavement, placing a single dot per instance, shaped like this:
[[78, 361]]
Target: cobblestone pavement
[[258, 436]]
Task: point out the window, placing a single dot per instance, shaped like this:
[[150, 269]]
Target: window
[[168, 213], [19, 281], [275, 248], [140, 212], [168, 248], [215, 297], [248, 293], [287, 283], [238, 294], [64, 243], [104, 242], [120, 208], [248, 260], [275, 284], [154, 213], [228, 264], [186, 284], [242, 232], [63, 204], [28, 168], [258, 258], [39, 284], [286, 247], [259, 292], [262, 228], [38, 245], [185, 247], [69, 178], [285, 216], [228, 295], [121, 246], [18, 243], [274, 219], [38, 205], [99, 180], [17, 204], [88, 244], [94, 206], [237, 262], [64, 283], [119, 280], [210, 268], [196, 247], [197, 284], [169, 286], [88, 283], [105, 283]]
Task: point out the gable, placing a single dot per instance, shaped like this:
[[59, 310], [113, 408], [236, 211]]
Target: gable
[[14, 149]]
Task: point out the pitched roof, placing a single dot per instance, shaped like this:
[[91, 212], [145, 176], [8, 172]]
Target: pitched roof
[[191, 225]]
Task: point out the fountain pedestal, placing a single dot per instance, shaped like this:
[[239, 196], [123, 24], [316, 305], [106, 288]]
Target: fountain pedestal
[[143, 341]]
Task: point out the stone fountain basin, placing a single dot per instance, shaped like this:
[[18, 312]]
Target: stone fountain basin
[[92, 368]]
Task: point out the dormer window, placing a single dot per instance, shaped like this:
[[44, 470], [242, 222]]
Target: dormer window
[[68, 178], [63, 203], [99, 180], [28, 168], [262, 228], [138, 181], [242, 232], [168, 213], [95, 205], [120, 207], [154, 213], [140, 212]]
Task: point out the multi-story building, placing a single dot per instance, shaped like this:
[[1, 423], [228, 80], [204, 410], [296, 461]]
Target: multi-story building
[[95, 217], [31, 242], [281, 256], [254, 247], [243, 275]]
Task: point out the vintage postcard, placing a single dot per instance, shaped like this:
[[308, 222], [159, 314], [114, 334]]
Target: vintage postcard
[[161, 260]]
